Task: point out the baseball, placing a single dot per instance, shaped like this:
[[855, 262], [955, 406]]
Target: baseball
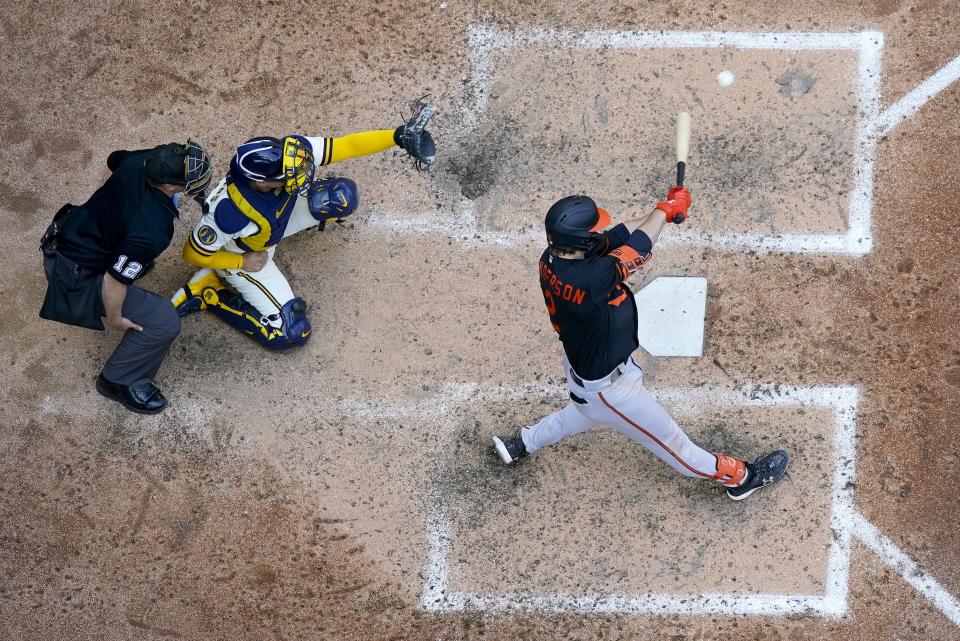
[[725, 78]]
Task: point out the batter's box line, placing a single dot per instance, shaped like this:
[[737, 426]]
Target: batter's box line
[[845, 521], [487, 42], [438, 597]]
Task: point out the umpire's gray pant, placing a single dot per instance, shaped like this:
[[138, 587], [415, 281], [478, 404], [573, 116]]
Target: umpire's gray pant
[[139, 355]]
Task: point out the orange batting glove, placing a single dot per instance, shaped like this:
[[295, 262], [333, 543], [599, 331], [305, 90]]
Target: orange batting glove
[[676, 205]]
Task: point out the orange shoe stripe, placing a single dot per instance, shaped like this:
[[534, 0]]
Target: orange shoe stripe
[[730, 470]]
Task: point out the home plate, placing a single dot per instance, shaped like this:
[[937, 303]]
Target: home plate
[[672, 310]]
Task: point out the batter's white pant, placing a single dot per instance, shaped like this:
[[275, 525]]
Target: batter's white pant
[[628, 407], [268, 289]]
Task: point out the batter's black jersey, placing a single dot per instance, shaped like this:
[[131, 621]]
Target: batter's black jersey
[[124, 226], [590, 307]]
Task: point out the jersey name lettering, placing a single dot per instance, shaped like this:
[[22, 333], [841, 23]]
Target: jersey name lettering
[[567, 292]]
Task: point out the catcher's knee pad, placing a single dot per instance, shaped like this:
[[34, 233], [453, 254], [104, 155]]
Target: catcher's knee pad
[[296, 325], [333, 198]]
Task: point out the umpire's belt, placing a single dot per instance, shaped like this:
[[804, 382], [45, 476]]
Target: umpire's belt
[[609, 379]]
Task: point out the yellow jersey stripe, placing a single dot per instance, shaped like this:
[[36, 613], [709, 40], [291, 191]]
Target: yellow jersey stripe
[[257, 241]]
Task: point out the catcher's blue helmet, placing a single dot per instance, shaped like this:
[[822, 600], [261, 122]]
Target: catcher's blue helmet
[[333, 199], [259, 159]]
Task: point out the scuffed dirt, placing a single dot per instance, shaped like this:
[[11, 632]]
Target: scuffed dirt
[[260, 506], [194, 543]]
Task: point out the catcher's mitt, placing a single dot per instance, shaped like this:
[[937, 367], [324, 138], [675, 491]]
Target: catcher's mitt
[[414, 138]]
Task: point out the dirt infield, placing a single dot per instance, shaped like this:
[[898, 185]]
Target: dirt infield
[[347, 490]]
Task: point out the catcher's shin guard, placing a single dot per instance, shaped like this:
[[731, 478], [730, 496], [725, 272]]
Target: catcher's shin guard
[[234, 311], [296, 325]]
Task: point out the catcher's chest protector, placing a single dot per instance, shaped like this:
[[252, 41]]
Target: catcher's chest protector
[[270, 212]]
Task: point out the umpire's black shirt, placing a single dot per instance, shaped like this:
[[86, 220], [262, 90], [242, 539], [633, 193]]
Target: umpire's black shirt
[[124, 226], [590, 306]]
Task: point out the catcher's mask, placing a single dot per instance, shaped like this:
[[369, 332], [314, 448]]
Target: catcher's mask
[[268, 158], [574, 223], [177, 164], [297, 166]]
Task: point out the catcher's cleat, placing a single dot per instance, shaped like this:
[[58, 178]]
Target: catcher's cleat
[[200, 290], [509, 449], [760, 473]]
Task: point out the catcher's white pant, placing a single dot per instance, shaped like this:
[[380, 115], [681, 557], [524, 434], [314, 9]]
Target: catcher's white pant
[[268, 289], [629, 408]]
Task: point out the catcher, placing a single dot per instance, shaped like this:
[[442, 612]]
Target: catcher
[[269, 194]]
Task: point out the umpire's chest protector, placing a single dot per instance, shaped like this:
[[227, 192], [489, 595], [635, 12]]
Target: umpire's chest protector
[[269, 211]]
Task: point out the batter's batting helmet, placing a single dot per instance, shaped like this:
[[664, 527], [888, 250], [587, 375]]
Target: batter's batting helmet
[[574, 223]]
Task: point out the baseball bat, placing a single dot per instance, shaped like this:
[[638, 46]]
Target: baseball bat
[[683, 146]]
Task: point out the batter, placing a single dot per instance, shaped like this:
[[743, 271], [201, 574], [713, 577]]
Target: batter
[[582, 274]]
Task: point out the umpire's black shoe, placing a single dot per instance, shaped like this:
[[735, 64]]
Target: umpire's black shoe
[[509, 449], [760, 473], [142, 399]]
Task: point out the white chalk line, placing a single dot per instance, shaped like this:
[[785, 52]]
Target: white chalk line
[[859, 234], [846, 522], [913, 101], [437, 596], [454, 396], [906, 567], [845, 402], [483, 37], [451, 398], [487, 42], [465, 230]]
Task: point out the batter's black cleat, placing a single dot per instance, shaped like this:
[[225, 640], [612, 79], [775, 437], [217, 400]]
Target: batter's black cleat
[[509, 449], [142, 399], [760, 473]]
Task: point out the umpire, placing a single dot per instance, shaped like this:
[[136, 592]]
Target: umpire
[[93, 254]]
